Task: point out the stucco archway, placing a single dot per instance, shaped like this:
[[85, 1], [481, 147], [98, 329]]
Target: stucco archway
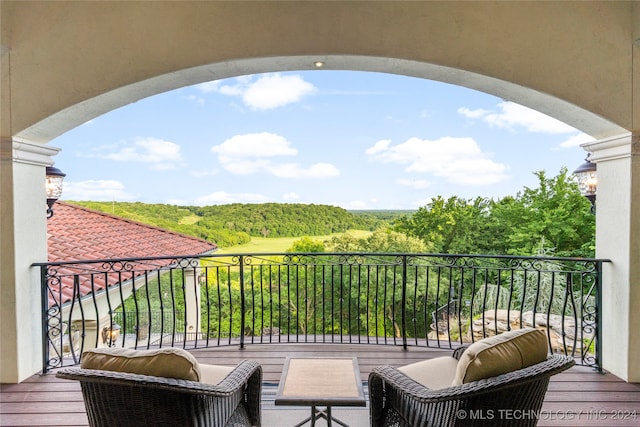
[[77, 114], [65, 62]]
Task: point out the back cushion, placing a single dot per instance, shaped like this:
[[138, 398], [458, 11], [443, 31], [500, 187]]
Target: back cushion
[[163, 362], [500, 354]]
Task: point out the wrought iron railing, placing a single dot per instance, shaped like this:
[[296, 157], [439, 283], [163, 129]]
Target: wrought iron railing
[[427, 300]]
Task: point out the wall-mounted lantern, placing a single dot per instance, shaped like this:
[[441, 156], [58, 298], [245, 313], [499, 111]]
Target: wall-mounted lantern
[[587, 177], [54, 187]]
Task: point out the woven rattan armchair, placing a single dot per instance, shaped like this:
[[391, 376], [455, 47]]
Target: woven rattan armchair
[[511, 399], [124, 399]]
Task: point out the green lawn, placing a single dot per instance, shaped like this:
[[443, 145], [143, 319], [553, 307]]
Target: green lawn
[[279, 244], [188, 220]]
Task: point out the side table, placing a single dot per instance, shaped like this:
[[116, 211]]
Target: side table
[[324, 382]]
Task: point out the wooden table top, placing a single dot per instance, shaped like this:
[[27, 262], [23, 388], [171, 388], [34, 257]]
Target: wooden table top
[[322, 381]]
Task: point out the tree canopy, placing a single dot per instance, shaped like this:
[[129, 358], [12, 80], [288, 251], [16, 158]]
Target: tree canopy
[[554, 213]]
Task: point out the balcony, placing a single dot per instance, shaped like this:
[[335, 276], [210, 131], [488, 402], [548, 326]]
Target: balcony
[[580, 396], [382, 308]]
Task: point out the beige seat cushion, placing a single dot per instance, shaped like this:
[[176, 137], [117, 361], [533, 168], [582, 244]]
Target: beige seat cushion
[[164, 362], [213, 374], [432, 373], [500, 354]]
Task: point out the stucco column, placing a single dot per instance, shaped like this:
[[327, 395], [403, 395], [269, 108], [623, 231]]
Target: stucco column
[[23, 241], [618, 239], [192, 304]]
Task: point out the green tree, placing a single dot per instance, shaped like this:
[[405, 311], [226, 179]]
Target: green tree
[[307, 245], [555, 212], [381, 240], [454, 225]]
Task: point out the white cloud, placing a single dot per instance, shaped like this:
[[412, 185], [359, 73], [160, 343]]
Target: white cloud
[[274, 90], [378, 147], [203, 174], [222, 198], [231, 90], [209, 87], [252, 153], [576, 140], [425, 114], [96, 190], [511, 115], [457, 160], [262, 144], [268, 92], [291, 196], [162, 166], [160, 154], [243, 167], [197, 99], [294, 170], [473, 114], [417, 184]]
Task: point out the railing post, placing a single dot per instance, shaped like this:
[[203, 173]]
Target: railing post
[[243, 307], [403, 313], [45, 322], [599, 315]]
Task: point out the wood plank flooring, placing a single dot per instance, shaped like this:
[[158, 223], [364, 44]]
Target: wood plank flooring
[[577, 397]]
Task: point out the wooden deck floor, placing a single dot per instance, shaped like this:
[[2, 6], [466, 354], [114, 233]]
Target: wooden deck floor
[[577, 397]]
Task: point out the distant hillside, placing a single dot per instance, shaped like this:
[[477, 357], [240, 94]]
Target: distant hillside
[[236, 223], [384, 215]]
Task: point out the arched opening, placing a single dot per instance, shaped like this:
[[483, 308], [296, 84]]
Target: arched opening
[[124, 154]]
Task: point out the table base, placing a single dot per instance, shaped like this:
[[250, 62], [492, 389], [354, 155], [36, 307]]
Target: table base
[[319, 413]]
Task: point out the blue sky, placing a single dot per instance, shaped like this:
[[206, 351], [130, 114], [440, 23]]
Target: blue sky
[[358, 140]]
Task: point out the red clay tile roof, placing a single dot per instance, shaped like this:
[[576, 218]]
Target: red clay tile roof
[[75, 233]]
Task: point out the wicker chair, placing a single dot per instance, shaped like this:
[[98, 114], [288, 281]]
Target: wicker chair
[[510, 399], [124, 399]]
